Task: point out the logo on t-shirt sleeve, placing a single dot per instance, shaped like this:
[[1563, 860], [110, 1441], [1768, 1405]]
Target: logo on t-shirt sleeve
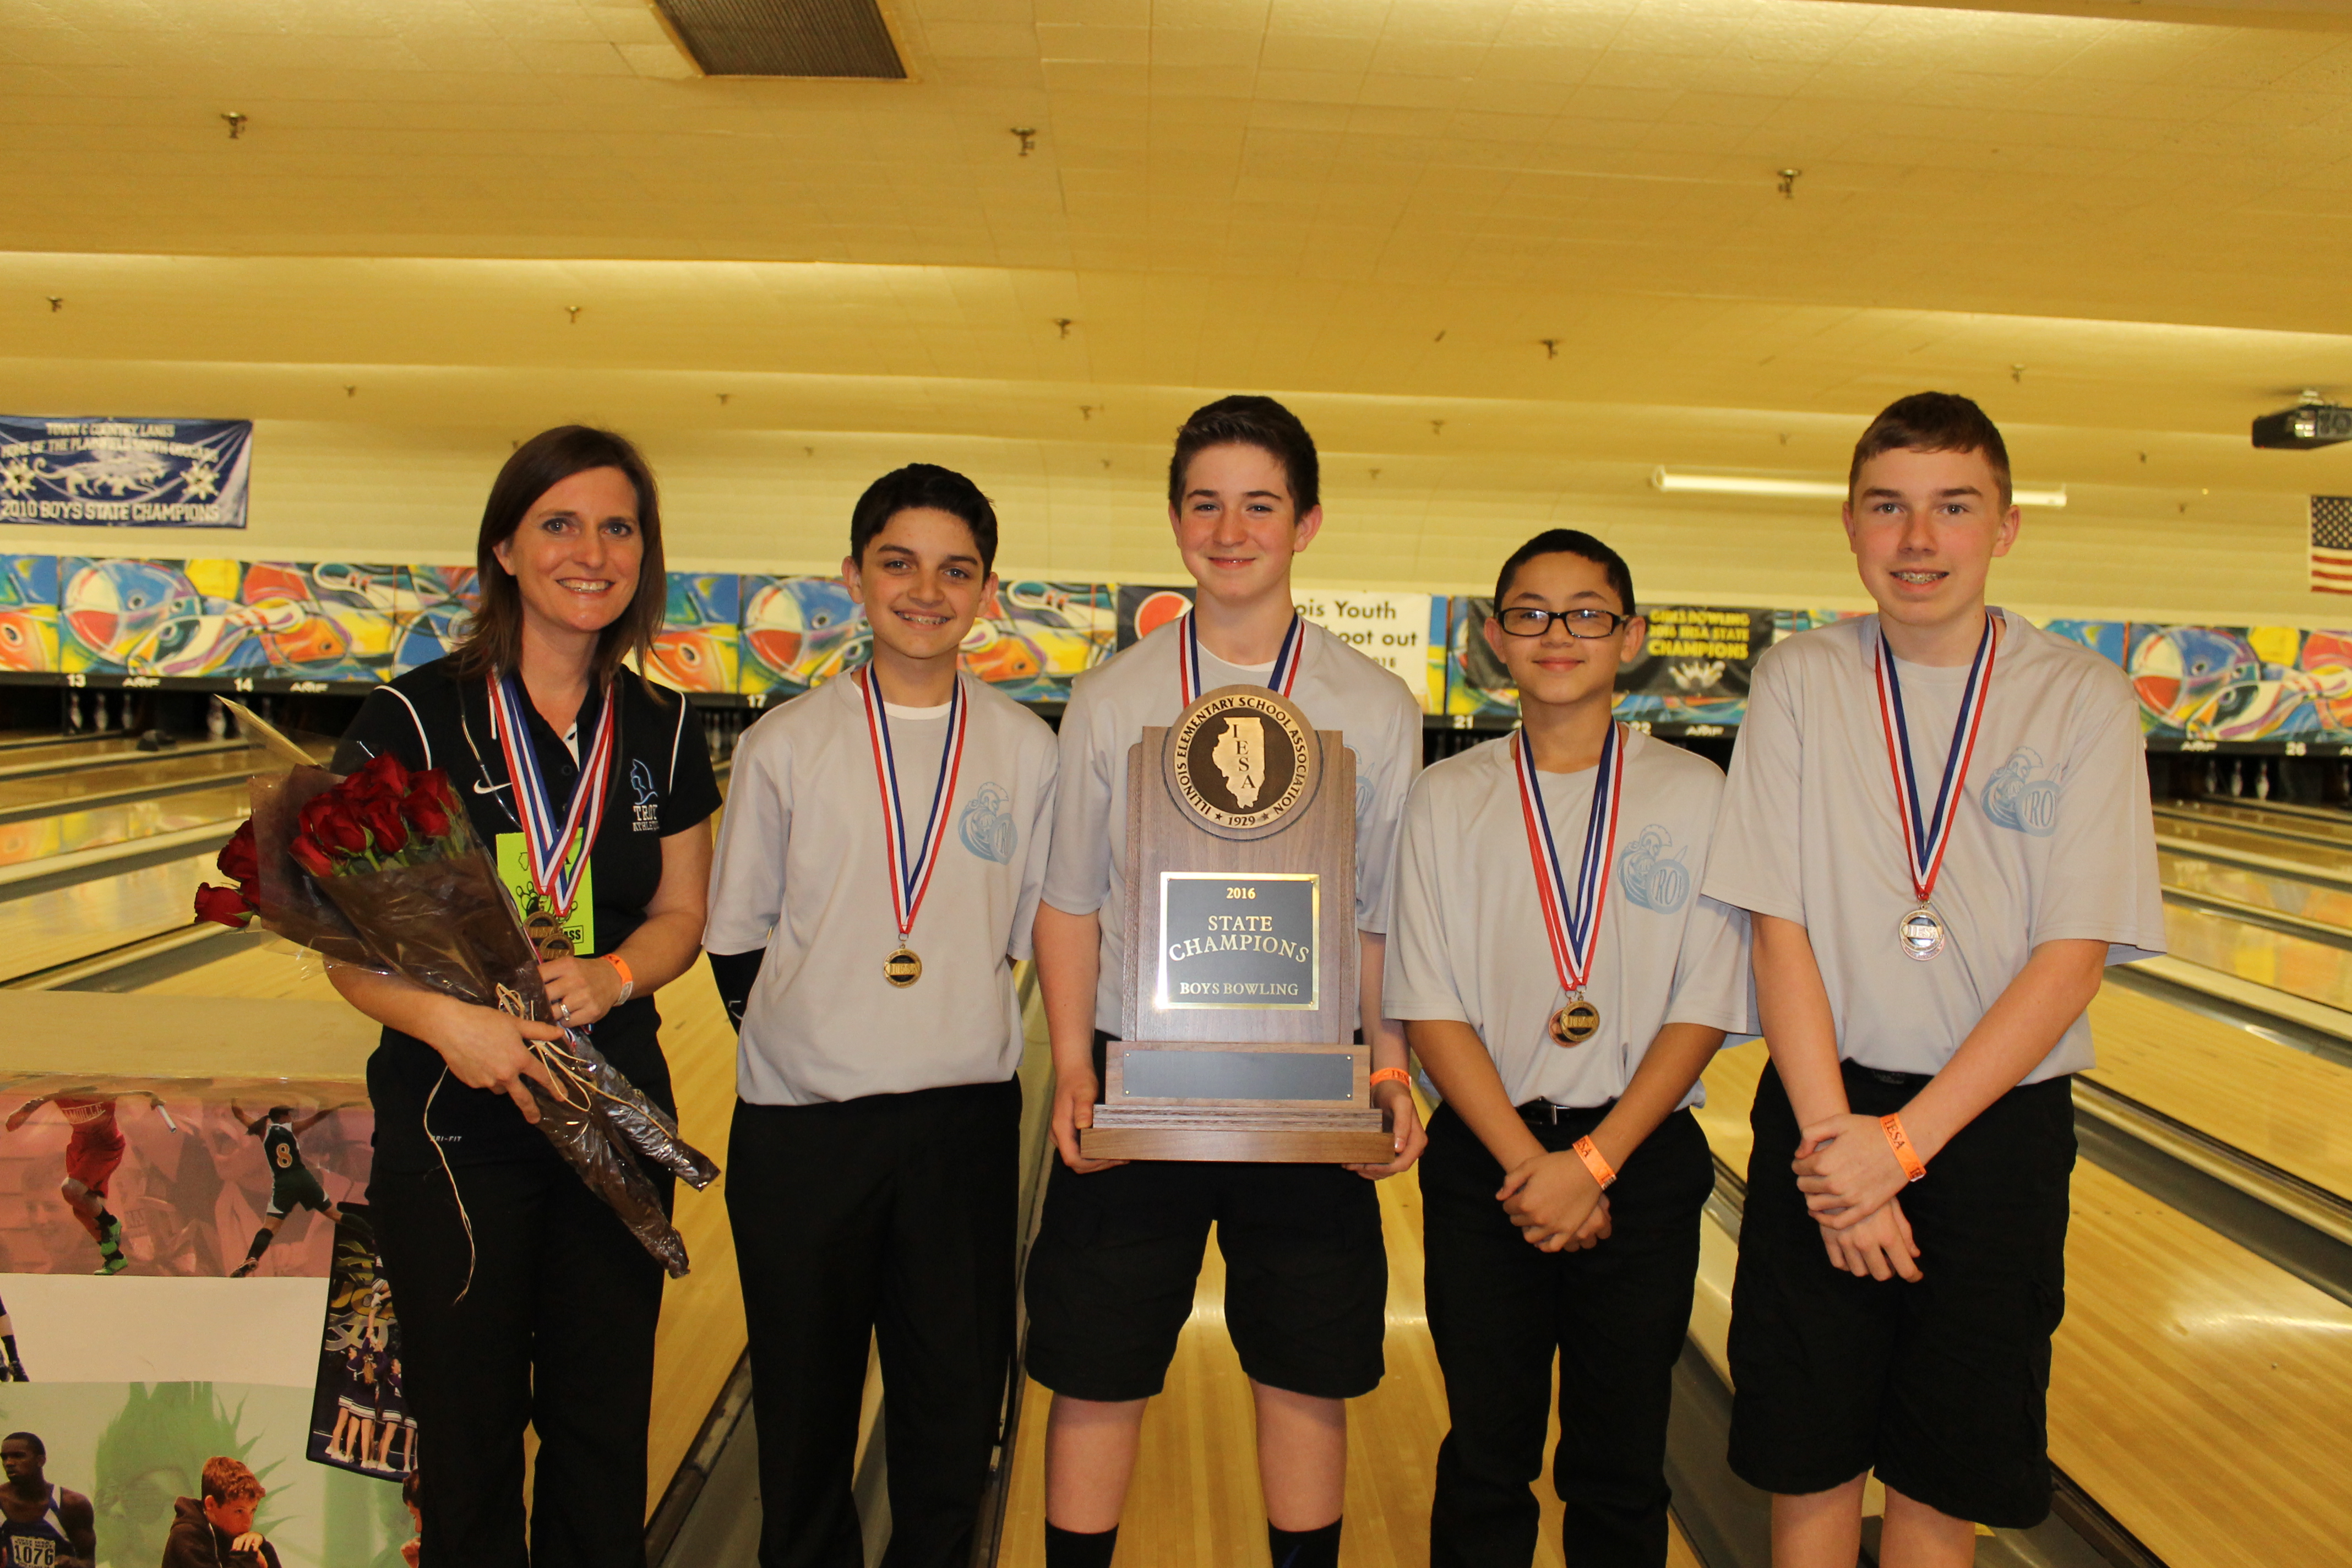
[[2014, 798], [1651, 878], [986, 828]]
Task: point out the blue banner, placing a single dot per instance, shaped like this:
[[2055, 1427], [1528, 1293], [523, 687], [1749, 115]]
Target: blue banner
[[125, 473]]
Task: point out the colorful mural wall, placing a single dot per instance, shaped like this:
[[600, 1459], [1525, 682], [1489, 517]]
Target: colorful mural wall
[[771, 636]]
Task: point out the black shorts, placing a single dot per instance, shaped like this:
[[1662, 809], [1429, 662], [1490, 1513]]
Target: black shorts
[[291, 1190], [1940, 1386], [1112, 1271]]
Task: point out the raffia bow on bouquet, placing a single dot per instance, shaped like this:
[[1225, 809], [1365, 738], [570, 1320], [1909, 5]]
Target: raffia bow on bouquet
[[383, 869]]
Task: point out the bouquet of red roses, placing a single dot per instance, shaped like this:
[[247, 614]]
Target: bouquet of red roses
[[383, 869]]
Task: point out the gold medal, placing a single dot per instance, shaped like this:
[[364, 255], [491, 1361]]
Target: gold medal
[[902, 968], [547, 934], [1576, 1023]]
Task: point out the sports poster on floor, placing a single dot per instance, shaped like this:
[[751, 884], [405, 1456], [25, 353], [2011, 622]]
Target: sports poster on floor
[[169, 1260], [358, 1416], [125, 473]]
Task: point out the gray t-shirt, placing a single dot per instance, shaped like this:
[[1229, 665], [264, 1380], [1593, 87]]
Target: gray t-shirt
[[1109, 705], [801, 871], [1469, 942], [2053, 838]]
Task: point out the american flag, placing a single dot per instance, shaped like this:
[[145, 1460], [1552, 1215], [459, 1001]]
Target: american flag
[[2331, 545]]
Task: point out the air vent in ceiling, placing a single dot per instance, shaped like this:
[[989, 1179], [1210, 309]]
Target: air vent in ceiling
[[786, 37]]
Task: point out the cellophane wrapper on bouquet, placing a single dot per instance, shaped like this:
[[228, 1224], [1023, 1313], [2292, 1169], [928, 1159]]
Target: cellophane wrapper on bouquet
[[383, 869]]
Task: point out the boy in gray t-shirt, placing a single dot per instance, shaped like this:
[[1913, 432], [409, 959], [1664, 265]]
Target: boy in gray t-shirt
[[1939, 818]]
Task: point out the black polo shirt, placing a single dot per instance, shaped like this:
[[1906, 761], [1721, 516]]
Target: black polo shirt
[[661, 783]]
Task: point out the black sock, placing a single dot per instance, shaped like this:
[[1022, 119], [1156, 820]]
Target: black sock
[[106, 1223], [261, 1240], [1069, 1549], [1305, 1548]]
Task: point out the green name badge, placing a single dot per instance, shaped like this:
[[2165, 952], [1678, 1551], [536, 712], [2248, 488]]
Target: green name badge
[[576, 933]]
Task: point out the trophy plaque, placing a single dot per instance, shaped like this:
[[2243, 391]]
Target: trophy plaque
[[1240, 996]]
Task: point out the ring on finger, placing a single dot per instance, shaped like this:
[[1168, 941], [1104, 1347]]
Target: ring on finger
[[564, 1011]]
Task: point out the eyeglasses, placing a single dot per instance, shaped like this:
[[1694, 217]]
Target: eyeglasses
[[1526, 621]]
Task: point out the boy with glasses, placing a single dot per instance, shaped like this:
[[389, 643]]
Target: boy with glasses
[[1563, 983]]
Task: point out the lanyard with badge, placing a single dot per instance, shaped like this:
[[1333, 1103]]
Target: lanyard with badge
[[1285, 674], [1925, 838], [1573, 924], [546, 866], [910, 874]]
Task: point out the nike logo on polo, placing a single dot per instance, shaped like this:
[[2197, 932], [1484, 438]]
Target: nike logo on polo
[[479, 788]]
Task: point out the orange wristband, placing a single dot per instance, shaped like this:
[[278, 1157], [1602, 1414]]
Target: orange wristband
[[1391, 1075], [1596, 1163], [621, 966], [1900, 1141]]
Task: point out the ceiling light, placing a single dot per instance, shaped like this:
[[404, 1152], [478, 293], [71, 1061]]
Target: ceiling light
[[1804, 489]]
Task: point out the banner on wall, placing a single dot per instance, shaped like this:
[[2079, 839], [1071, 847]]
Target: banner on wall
[[125, 473], [1389, 629], [1695, 666], [1144, 608]]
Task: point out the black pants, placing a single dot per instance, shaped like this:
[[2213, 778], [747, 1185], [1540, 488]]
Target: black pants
[[1615, 1315], [892, 1216], [556, 1331]]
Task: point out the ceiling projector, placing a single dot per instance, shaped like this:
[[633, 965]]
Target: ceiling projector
[[2310, 423]]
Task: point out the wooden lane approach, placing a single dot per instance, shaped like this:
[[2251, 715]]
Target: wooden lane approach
[[2198, 1391]]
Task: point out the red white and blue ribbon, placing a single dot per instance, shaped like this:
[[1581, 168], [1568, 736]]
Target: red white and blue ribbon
[[555, 870], [1925, 838], [910, 874], [1572, 924], [1188, 658]]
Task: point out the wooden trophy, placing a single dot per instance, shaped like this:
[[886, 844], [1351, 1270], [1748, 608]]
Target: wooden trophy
[[1241, 946]]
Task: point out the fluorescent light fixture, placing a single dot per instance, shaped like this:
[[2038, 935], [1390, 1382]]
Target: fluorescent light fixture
[[1804, 489]]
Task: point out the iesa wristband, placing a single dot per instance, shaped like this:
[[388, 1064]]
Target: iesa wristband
[[1391, 1075], [1900, 1141], [1596, 1163], [620, 967]]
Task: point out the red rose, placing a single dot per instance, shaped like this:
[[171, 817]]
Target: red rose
[[380, 778], [381, 817], [224, 906], [429, 805], [238, 860], [310, 857], [328, 824]]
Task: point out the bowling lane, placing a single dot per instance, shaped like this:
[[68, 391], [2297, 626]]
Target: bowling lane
[[2317, 824], [2230, 840], [2315, 970], [59, 925], [2286, 1106], [158, 774], [2197, 1389], [95, 827], [2260, 892]]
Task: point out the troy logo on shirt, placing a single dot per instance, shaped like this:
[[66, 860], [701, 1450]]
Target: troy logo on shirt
[[986, 828], [2014, 798], [1649, 878], [648, 803]]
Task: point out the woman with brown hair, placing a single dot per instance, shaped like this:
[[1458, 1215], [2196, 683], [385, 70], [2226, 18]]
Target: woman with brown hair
[[523, 1299]]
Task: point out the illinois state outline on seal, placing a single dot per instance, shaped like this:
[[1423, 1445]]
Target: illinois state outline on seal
[[1242, 759]]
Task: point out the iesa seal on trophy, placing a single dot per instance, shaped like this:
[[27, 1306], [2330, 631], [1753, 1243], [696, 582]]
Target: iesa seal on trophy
[[1243, 759]]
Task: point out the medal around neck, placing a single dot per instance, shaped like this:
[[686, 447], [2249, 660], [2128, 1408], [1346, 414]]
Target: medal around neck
[[557, 853], [1925, 835], [911, 873], [1573, 923]]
